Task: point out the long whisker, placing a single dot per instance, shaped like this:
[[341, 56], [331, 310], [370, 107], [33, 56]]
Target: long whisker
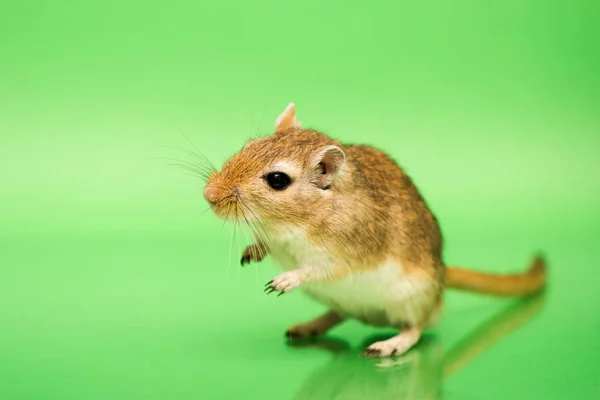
[[240, 217], [244, 222], [252, 230], [247, 234], [250, 211], [178, 162], [231, 233], [260, 231], [199, 153], [194, 175], [237, 224], [202, 174], [198, 164], [199, 174], [262, 237], [248, 223], [203, 160], [256, 248], [218, 203], [200, 168], [260, 241]]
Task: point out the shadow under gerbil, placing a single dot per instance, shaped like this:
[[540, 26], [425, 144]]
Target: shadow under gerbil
[[415, 375]]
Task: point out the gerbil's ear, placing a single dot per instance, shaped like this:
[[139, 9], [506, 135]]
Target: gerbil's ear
[[327, 164], [287, 119]]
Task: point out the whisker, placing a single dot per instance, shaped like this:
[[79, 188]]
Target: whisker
[[203, 171], [248, 224], [253, 232], [256, 248], [194, 175], [241, 218], [203, 160], [264, 237], [260, 246], [230, 233], [238, 239], [244, 221], [199, 153], [248, 235], [176, 161], [199, 174], [250, 211], [200, 168], [218, 203], [263, 234]]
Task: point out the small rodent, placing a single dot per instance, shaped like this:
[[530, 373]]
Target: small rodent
[[350, 229]]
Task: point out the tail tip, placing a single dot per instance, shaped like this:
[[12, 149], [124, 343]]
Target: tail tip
[[538, 271], [538, 263]]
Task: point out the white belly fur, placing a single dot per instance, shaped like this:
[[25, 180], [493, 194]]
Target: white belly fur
[[381, 296], [385, 295]]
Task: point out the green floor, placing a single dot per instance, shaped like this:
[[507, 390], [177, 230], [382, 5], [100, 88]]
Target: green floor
[[115, 285], [159, 318]]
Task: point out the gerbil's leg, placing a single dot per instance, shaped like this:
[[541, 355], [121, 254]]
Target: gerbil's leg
[[315, 327], [396, 345], [289, 280], [255, 252]]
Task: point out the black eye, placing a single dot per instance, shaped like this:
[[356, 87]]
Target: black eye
[[278, 180]]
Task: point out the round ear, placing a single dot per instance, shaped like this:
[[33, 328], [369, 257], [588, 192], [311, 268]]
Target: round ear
[[287, 119], [328, 162]]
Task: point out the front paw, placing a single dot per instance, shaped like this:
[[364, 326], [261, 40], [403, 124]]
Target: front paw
[[254, 252], [283, 283]]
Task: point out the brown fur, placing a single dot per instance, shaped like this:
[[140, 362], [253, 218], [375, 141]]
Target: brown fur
[[376, 211], [372, 212], [499, 285]]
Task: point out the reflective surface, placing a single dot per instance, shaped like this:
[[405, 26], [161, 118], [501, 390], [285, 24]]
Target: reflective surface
[[155, 318], [114, 285]]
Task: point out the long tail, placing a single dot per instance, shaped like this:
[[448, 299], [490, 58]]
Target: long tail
[[521, 284]]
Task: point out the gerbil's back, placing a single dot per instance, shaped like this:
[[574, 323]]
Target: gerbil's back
[[412, 230]]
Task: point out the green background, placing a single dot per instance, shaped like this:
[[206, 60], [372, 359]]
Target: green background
[[114, 286]]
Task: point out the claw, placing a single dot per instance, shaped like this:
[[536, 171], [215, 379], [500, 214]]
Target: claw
[[371, 352]]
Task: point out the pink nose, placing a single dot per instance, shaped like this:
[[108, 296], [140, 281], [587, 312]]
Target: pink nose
[[210, 193]]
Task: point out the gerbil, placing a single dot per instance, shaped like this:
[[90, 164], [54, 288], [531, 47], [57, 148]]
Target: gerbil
[[349, 228]]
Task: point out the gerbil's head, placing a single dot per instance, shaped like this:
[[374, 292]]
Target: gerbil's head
[[282, 178]]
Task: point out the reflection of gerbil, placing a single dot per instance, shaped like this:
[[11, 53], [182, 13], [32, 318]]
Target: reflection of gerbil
[[417, 375], [349, 228]]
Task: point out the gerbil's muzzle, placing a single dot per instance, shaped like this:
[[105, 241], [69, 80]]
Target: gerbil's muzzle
[[220, 197], [213, 193]]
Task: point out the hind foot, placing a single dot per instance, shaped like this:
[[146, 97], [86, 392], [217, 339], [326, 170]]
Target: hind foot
[[394, 346], [315, 327]]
